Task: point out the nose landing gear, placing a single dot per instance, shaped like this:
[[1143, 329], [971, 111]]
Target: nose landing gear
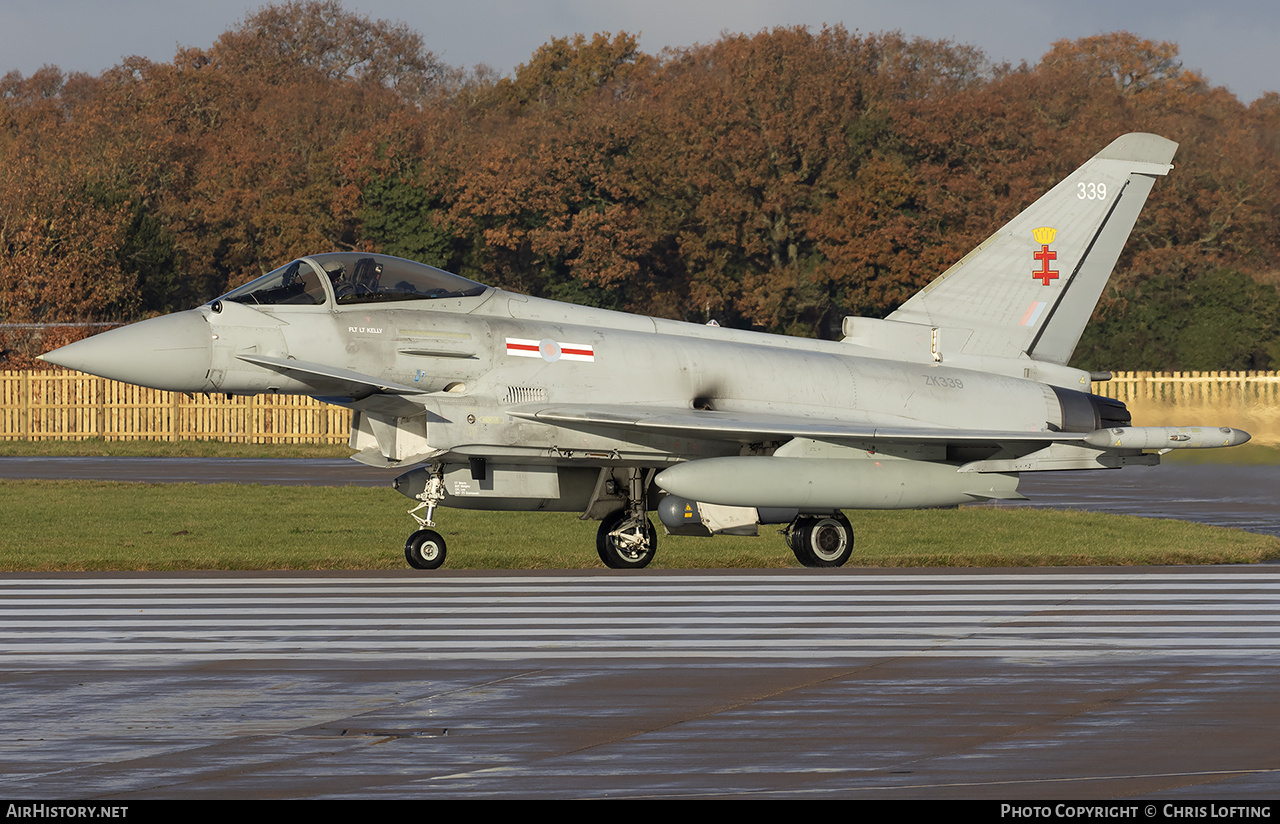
[[425, 548]]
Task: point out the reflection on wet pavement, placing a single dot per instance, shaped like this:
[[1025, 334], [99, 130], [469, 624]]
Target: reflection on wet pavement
[[1243, 497]]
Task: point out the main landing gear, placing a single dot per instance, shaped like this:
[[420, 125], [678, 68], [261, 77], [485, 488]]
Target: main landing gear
[[625, 541], [820, 541], [627, 538]]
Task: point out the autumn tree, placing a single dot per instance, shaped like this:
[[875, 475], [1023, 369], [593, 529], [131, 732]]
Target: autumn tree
[[1133, 64], [779, 185], [266, 121], [776, 180], [568, 69], [63, 225], [282, 41]]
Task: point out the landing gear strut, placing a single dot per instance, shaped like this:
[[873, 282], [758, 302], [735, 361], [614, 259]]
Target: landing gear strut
[[627, 538], [425, 548], [822, 541]]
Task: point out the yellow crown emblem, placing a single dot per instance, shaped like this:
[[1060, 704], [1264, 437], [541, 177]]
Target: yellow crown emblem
[[1044, 235]]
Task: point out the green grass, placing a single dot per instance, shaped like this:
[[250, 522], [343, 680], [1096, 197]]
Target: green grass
[[100, 448], [89, 525], [50, 525]]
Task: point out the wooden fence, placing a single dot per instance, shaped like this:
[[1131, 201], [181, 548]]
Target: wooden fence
[[1184, 389], [56, 405], [1244, 400]]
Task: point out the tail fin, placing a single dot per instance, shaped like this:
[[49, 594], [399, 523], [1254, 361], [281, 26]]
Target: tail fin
[[1032, 286]]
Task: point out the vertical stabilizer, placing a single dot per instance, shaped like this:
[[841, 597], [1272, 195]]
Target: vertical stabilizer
[[1032, 286]]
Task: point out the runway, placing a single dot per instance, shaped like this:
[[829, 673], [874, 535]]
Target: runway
[[1113, 683]]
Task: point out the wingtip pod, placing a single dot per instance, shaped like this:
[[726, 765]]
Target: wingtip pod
[[1167, 437]]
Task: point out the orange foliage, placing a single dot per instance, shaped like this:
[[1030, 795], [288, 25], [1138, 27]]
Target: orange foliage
[[777, 180]]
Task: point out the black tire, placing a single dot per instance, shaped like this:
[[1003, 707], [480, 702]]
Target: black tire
[[425, 549], [821, 542], [614, 555]]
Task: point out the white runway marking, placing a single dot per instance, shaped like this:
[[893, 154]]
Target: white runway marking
[[1211, 612]]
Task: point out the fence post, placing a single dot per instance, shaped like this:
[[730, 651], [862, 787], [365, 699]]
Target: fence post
[[24, 404], [100, 407]]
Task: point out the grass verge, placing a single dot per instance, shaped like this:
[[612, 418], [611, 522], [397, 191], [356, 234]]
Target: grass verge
[[100, 448], [98, 526]]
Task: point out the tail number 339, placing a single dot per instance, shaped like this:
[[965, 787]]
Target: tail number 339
[[1092, 191]]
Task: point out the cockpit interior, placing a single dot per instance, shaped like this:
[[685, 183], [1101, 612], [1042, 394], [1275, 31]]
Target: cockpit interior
[[351, 278]]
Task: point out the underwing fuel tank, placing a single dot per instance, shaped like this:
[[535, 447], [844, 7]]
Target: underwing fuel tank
[[831, 484]]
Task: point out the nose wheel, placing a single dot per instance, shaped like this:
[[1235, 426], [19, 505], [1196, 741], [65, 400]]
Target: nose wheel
[[425, 549]]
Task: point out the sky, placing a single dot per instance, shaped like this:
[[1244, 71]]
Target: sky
[[1232, 43]]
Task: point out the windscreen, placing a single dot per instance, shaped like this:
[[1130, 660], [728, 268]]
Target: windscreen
[[296, 284]]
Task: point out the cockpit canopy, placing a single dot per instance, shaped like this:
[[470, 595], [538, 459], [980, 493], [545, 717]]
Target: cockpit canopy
[[352, 277]]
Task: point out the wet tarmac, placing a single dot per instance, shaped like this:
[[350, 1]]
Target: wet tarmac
[[855, 684], [1243, 497]]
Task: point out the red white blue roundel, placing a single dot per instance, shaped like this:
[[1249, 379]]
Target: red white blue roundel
[[550, 350]]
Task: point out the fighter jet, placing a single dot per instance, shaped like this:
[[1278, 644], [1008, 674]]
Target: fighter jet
[[507, 402]]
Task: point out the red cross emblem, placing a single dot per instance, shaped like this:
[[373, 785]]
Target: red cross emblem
[[1045, 255]]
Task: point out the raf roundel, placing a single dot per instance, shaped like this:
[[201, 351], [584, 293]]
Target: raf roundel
[[550, 350]]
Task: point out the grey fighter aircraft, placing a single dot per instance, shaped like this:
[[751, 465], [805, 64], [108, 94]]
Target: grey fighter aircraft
[[509, 402]]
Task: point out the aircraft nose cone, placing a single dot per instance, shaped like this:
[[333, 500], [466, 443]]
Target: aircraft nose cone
[[170, 352]]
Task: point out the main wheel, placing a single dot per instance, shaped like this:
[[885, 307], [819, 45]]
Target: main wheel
[[821, 542], [425, 549], [619, 553]]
